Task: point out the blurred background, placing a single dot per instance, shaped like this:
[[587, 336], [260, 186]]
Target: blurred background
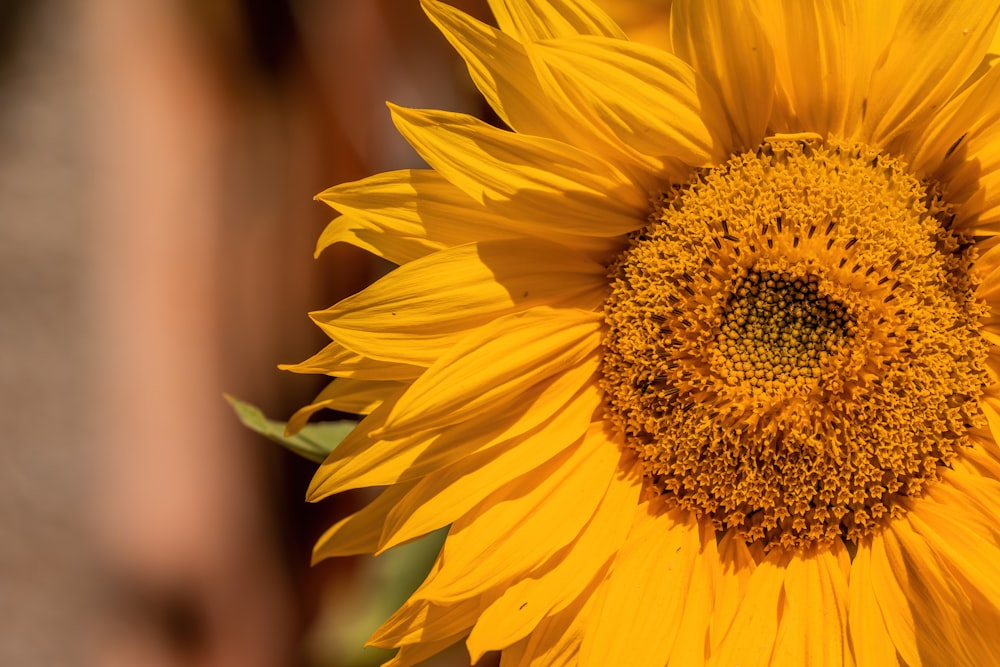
[[158, 160]]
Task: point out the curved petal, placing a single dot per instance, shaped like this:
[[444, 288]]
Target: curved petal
[[656, 582], [556, 641], [360, 460], [489, 370], [813, 625], [445, 495], [733, 577], [961, 150], [936, 45], [359, 533], [358, 397], [410, 655], [501, 71], [545, 19], [927, 607], [419, 620], [421, 310], [824, 54], [557, 585], [406, 214], [524, 523], [336, 360], [795, 607], [638, 98], [555, 186], [870, 639], [724, 42]]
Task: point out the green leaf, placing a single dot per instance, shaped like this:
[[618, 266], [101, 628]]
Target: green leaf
[[313, 442]]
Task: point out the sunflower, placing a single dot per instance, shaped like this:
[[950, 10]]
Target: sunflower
[[698, 360]]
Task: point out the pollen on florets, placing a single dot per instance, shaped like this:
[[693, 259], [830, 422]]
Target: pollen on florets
[[792, 344]]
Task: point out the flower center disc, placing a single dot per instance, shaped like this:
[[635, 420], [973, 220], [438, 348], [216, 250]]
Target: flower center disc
[[792, 343]]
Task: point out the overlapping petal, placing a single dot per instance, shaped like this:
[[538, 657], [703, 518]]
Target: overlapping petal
[[745, 85], [934, 48], [552, 184], [639, 99], [546, 19], [420, 311]]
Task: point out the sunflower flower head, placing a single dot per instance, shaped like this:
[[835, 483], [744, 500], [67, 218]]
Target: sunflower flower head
[[697, 357]]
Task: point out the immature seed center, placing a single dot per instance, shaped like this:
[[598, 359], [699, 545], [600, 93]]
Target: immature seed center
[[792, 343], [777, 331]]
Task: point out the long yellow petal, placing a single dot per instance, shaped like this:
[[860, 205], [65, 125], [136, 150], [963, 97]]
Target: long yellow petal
[[415, 654], [419, 620], [487, 371], [724, 42], [359, 533], [934, 600], [361, 460], [359, 397], [889, 581], [960, 148], [556, 641], [544, 181], [420, 311], [638, 97], [824, 54], [936, 45], [443, 496], [524, 523], [736, 565], [750, 638], [545, 19], [967, 547], [870, 639], [558, 584], [813, 622], [338, 361], [406, 214], [644, 601], [500, 69]]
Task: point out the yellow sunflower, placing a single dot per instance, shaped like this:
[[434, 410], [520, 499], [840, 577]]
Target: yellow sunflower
[[699, 359]]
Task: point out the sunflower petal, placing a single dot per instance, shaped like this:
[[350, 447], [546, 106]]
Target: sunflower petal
[[936, 45], [358, 397], [959, 149], [420, 311], [361, 461], [740, 68], [639, 98], [556, 641], [933, 598], [545, 19], [524, 523], [870, 639], [813, 622], [750, 638], [488, 370], [445, 495], [558, 584], [555, 186], [654, 583], [336, 360], [415, 654], [359, 532], [500, 69], [733, 577], [406, 214], [419, 620]]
